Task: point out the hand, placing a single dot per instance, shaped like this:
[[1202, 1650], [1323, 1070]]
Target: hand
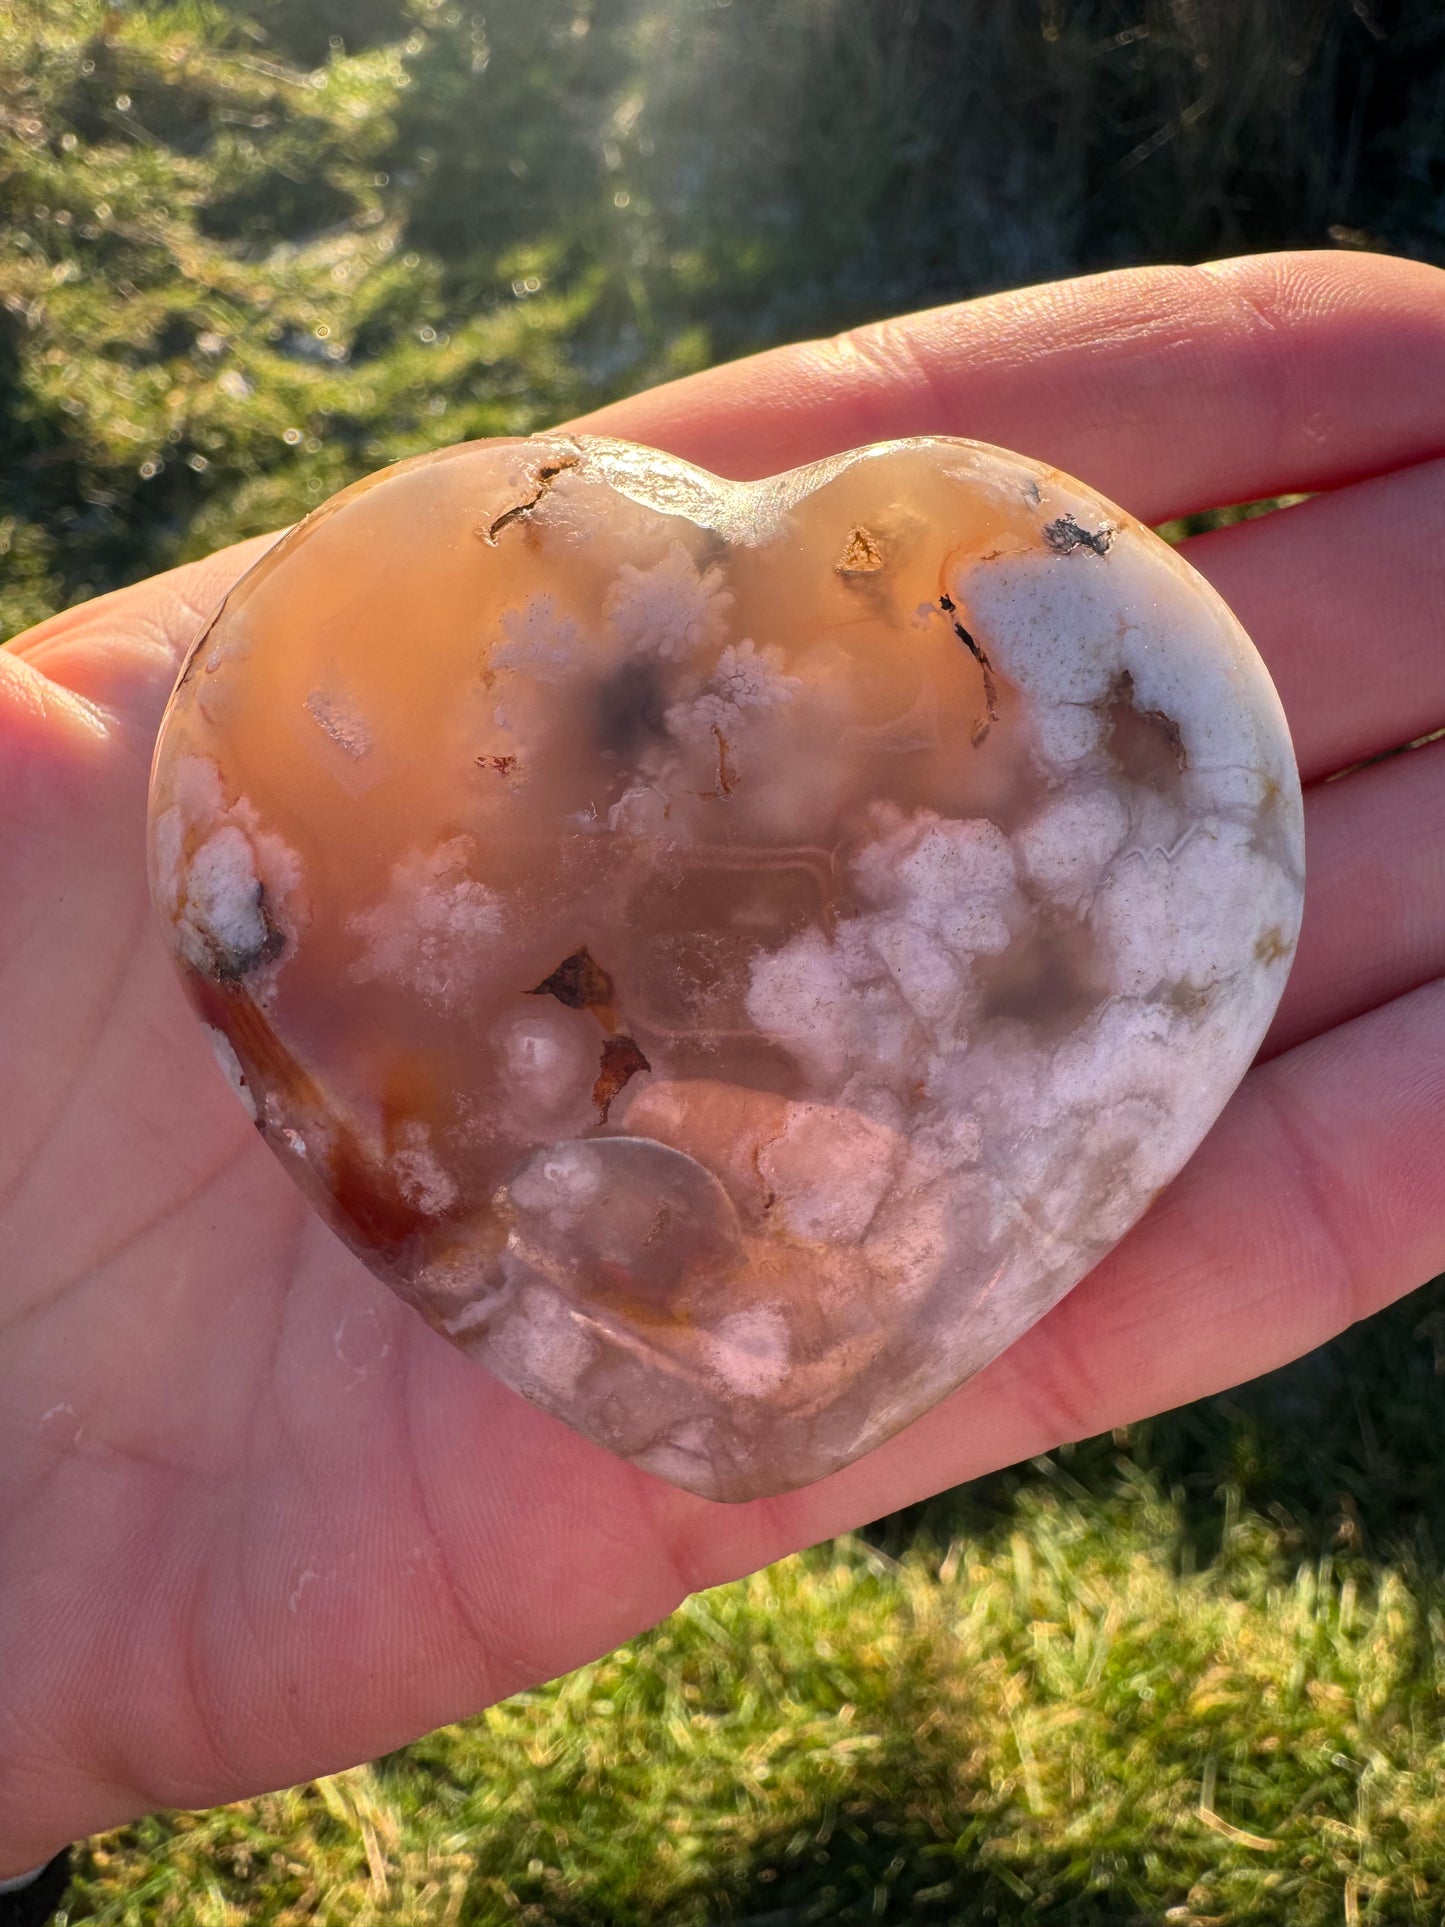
[[256, 1520]]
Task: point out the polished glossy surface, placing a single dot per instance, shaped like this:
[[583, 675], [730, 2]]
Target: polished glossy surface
[[731, 955]]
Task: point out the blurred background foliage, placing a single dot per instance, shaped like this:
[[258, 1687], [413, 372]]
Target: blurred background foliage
[[249, 251], [1187, 1672]]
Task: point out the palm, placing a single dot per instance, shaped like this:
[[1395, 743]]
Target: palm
[[256, 1520], [212, 1413]]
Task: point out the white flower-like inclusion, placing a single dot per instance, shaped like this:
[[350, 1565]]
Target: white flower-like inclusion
[[732, 955]]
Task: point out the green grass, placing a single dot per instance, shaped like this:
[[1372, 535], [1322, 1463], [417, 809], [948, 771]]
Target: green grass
[[1189, 1673], [251, 251]]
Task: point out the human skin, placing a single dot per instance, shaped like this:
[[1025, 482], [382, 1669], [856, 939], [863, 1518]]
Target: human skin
[[258, 1522]]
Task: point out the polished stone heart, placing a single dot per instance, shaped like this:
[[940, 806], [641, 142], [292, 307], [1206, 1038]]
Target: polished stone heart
[[731, 955]]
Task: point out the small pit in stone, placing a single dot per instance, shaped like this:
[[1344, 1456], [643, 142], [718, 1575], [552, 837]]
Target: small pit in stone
[[861, 554], [1050, 978], [1182, 997], [1144, 745], [1271, 945], [622, 1060], [1065, 536], [579, 982]]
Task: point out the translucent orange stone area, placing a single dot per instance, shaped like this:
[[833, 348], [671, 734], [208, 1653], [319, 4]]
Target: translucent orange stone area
[[730, 955]]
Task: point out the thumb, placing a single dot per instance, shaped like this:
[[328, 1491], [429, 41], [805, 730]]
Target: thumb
[[120, 654]]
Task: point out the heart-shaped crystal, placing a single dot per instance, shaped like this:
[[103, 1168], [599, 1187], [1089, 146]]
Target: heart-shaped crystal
[[732, 955]]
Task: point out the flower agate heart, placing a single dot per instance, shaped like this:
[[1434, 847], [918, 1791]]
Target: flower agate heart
[[731, 955]]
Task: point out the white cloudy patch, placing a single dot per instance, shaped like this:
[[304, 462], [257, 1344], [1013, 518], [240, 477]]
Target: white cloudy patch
[[224, 898], [547, 1055], [538, 638], [231, 888], [952, 879], [420, 1176], [877, 997], [1191, 915], [745, 678], [798, 995], [1066, 847], [434, 928], [670, 609], [337, 714], [537, 1342], [751, 1351]]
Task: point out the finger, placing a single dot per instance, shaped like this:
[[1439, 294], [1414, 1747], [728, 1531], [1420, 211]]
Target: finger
[[1317, 1199], [1345, 598], [1374, 923], [120, 652], [39, 723], [1169, 389]]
